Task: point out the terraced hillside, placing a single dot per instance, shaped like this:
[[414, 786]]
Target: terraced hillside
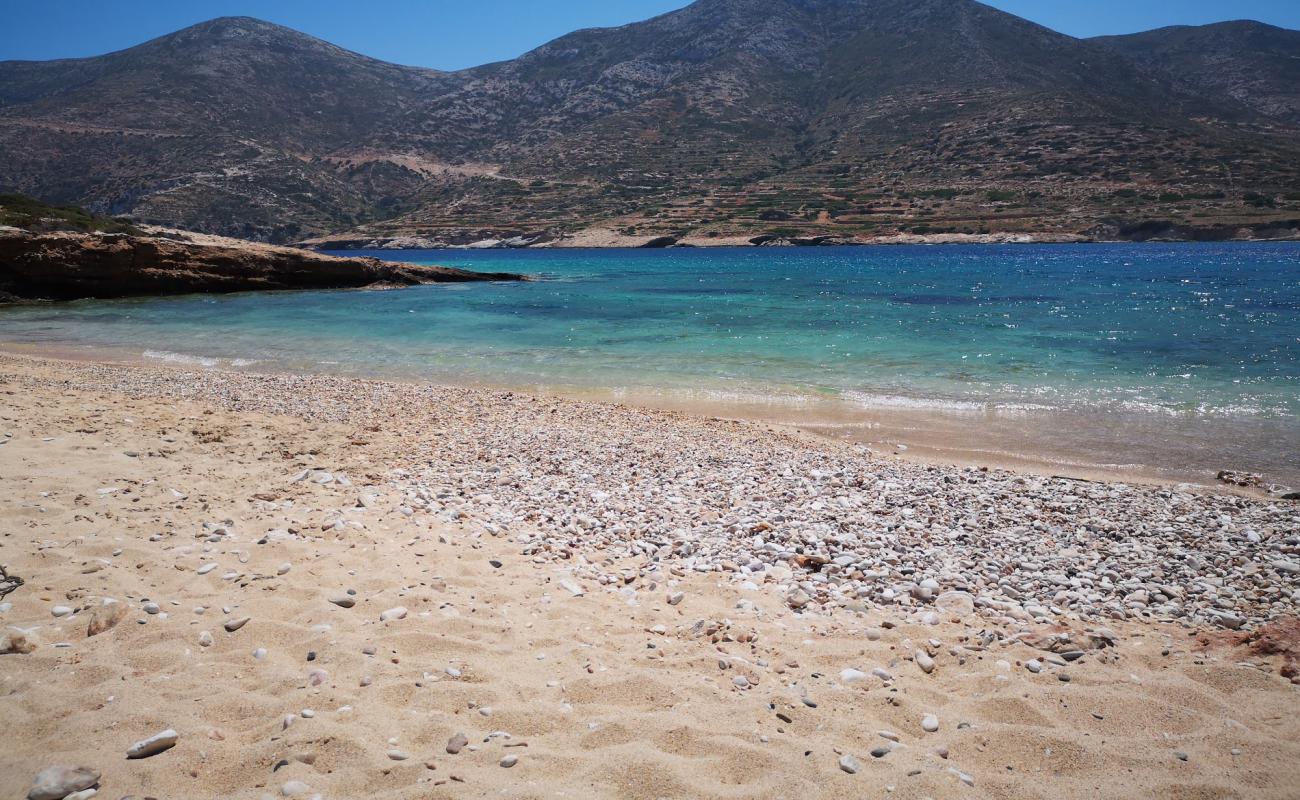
[[728, 118]]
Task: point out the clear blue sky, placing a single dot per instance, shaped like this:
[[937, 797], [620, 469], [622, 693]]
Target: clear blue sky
[[450, 34]]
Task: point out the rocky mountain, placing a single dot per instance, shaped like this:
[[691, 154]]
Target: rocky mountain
[[846, 119]]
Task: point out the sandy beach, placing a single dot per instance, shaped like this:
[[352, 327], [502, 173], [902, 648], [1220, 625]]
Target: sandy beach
[[321, 585]]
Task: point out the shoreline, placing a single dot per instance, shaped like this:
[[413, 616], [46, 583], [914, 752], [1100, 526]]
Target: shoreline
[[926, 437], [610, 239], [606, 601]]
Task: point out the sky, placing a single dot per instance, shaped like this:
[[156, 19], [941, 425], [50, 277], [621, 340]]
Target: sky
[[453, 34]]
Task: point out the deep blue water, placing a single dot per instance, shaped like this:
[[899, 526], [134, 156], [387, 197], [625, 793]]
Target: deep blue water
[[1188, 332]]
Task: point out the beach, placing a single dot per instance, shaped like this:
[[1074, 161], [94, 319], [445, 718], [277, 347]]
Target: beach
[[320, 584]]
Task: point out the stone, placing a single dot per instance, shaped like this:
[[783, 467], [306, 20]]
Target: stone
[[457, 743], [397, 612], [923, 661], [879, 752], [1034, 665], [63, 611], [154, 745], [205, 639], [959, 604], [571, 587], [294, 789], [851, 675], [675, 598], [284, 568], [398, 755], [56, 783], [343, 601], [850, 764], [929, 723], [232, 625], [509, 761]]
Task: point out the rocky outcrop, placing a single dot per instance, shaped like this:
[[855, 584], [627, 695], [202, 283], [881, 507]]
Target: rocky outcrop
[[67, 266]]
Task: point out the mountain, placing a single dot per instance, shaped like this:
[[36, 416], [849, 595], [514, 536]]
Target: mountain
[[1256, 65], [727, 118]]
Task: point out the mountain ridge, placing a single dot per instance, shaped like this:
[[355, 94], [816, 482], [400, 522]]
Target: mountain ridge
[[848, 118]]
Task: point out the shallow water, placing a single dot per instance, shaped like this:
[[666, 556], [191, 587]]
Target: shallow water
[[1179, 359]]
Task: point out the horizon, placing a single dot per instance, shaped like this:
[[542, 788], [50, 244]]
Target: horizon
[[498, 30]]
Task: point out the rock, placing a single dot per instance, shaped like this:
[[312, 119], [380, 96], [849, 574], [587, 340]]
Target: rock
[[153, 745], [84, 794], [64, 265], [205, 639], [923, 661], [206, 568], [105, 617], [457, 743], [850, 764], [398, 755], [1034, 665], [882, 673], [56, 783], [675, 598], [879, 752], [63, 611], [851, 675], [929, 723], [344, 601], [232, 625], [571, 587], [509, 761], [283, 569], [959, 604], [397, 612], [294, 789]]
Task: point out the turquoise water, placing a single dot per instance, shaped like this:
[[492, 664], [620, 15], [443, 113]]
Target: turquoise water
[[1197, 342]]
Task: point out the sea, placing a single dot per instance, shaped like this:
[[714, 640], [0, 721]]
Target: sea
[[1171, 361]]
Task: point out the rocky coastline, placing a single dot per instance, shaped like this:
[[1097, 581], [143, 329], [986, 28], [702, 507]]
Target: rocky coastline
[[66, 265]]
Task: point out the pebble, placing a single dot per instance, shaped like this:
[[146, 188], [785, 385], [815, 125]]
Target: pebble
[[56, 783], [675, 598], [232, 625], [154, 745], [206, 568], [343, 601], [1034, 665], [923, 661], [509, 761], [205, 639], [398, 755], [397, 612], [294, 788], [879, 752], [929, 723], [457, 743], [850, 764], [851, 675], [151, 608], [284, 568]]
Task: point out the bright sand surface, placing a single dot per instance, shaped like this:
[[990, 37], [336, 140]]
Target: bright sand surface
[[126, 483]]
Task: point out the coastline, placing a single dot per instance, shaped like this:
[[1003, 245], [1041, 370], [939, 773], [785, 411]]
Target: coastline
[[917, 436], [578, 588]]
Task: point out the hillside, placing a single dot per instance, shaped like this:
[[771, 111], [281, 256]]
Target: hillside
[[728, 118]]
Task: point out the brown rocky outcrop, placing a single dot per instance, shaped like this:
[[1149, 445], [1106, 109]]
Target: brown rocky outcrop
[[67, 266]]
